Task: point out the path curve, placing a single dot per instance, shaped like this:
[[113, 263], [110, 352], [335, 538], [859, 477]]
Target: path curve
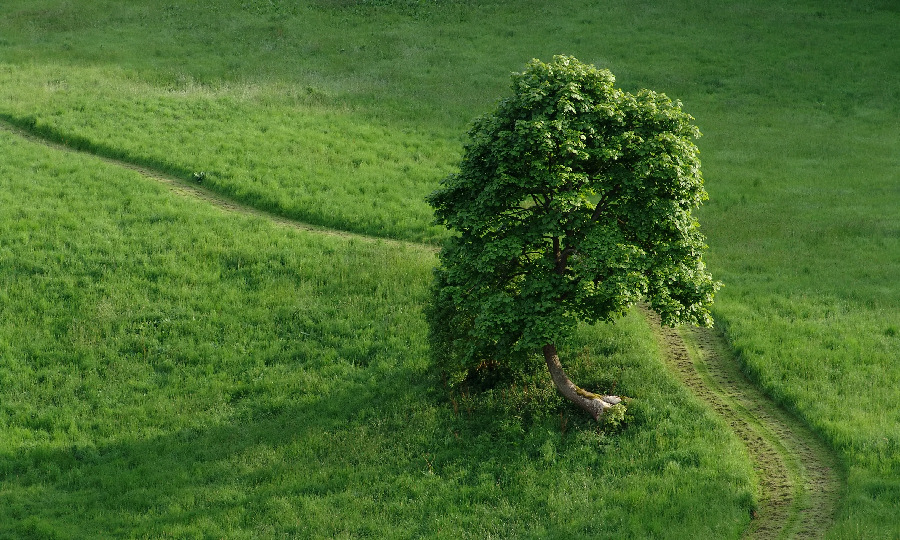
[[196, 190], [799, 479], [799, 476]]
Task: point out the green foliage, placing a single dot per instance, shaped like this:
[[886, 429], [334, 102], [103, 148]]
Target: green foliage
[[573, 202], [614, 416]]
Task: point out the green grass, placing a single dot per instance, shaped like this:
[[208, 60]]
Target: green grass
[[799, 106], [168, 369], [281, 149], [808, 243]]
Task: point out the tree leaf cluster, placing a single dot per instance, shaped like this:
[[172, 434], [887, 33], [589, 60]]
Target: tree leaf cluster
[[573, 201]]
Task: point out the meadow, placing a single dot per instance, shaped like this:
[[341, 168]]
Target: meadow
[[172, 370]]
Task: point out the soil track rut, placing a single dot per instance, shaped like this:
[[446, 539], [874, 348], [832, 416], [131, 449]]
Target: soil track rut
[[799, 483], [798, 475]]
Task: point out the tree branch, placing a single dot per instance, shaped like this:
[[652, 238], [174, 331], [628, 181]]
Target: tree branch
[[557, 256], [563, 259], [598, 210]]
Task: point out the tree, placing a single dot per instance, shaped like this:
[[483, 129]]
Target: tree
[[572, 203]]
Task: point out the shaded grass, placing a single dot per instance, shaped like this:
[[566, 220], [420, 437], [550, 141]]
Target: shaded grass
[[169, 369]]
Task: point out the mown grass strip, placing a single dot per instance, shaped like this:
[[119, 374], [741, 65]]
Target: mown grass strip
[[312, 162]]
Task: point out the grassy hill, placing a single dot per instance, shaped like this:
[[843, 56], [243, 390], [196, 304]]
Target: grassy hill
[[167, 369]]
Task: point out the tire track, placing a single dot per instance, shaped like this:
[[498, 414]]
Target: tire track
[[799, 482], [799, 477]]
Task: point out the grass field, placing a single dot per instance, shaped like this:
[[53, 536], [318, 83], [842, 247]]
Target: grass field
[[166, 369], [171, 370]]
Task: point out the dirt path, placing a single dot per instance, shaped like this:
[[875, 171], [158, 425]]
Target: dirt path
[[799, 480], [799, 483], [196, 190]]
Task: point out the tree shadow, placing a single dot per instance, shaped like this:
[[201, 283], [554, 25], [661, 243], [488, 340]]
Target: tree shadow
[[222, 480]]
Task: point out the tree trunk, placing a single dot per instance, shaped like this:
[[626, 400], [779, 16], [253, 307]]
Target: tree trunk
[[594, 404]]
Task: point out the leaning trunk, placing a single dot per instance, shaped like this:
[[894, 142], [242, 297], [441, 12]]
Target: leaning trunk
[[594, 404]]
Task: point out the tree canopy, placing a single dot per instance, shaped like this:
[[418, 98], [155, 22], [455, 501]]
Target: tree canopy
[[573, 202]]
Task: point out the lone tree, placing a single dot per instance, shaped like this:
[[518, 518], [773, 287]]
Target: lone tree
[[572, 203]]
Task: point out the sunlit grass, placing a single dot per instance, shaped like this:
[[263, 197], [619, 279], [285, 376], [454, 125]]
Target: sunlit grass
[[807, 237], [282, 149]]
